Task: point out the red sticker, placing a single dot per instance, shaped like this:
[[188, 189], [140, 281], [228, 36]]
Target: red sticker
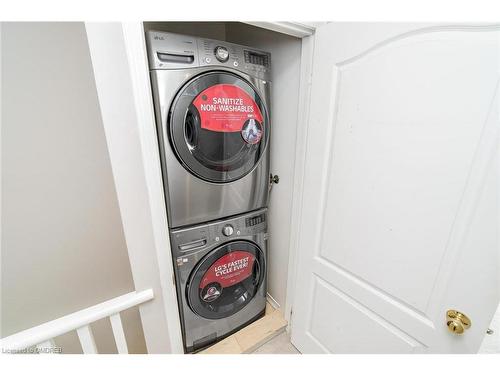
[[226, 108], [230, 269]]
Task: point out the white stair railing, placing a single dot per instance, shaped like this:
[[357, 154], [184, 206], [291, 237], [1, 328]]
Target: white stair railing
[[42, 336]]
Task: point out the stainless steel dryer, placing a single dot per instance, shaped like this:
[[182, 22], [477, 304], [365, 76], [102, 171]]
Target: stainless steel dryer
[[212, 110], [220, 272]]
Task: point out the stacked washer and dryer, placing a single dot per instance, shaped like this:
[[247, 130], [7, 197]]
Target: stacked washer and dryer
[[211, 101]]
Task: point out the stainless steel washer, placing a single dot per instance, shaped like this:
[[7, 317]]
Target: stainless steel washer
[[212, 110], [220, 271]]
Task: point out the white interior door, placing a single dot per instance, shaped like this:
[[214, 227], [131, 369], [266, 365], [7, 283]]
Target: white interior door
[[400, 204]]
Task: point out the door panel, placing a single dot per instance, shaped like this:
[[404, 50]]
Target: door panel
[[402, 145], [353, 320]]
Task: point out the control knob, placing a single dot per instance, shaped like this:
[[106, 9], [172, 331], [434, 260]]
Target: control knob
[[228, 230], [221, 53]]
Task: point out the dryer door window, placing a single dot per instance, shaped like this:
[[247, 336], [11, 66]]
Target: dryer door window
[[218, 127], [226, 280]]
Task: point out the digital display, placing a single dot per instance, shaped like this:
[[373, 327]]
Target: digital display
[[257, 58], [251, 221]]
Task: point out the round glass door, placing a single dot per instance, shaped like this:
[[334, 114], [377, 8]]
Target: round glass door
[[218, 127], [226, 280]]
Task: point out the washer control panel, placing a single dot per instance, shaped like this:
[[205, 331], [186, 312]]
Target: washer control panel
[[175, 51], [247, 225], [192, 240]]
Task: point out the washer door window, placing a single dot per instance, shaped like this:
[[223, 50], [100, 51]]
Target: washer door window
[[226, 280], [218, 127]]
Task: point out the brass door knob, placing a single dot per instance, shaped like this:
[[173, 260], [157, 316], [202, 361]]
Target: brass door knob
[[457, 322]]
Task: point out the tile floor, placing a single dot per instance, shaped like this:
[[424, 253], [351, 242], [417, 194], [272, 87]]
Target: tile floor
[[251, 336], [278, 345]]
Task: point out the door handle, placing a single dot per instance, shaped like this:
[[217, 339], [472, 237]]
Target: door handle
[[457, 322], [192, 245]]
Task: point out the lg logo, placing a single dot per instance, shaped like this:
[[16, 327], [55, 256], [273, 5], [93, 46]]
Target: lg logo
[[156, 37]]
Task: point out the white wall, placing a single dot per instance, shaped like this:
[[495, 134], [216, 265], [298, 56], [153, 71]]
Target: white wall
[[213, 30], [63, 247]]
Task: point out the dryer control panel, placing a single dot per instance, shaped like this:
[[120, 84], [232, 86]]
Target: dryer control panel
[[175, 51]]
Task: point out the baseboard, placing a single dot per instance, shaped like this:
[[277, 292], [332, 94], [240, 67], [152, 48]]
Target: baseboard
[[270, 299]]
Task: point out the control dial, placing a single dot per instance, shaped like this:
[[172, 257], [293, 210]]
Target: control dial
[[228, 230], [221, 53]]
